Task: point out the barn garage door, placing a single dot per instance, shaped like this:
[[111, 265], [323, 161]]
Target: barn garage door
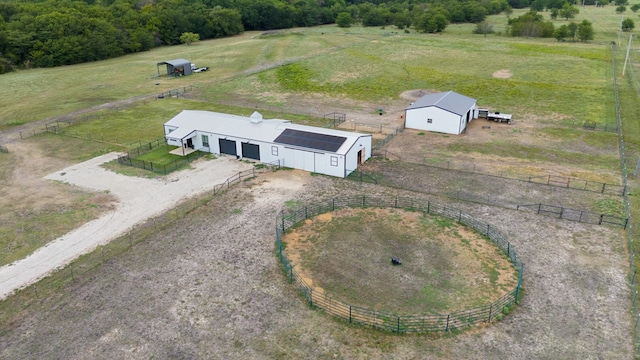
[[227, 147], [251, 151]]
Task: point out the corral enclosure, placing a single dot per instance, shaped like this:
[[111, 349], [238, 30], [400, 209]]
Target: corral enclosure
[[194, 284]]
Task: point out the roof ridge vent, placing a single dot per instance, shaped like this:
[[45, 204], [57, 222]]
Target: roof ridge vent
[[256, 117]]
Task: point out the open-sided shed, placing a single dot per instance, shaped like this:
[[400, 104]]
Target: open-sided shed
[[320, 150], [177, 67], [445, 112]]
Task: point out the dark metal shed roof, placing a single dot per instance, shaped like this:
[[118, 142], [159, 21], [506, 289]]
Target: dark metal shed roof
[[450, 101], [176, 62], [310, 140]]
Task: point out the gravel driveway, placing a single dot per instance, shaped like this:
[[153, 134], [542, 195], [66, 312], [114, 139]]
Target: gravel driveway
[[138, 199]]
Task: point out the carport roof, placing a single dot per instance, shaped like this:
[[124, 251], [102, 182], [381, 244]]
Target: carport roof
[[243, 127], [450, 101], [176, 62]]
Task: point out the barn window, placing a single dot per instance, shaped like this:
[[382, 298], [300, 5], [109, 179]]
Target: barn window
[[334, 161], [429, 121], [274, 150], [205, 140]]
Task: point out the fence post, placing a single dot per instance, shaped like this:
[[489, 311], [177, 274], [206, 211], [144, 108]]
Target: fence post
[[282, 212], [447, 328], [306, 215], [508, 249], [290, 272], [398, 327], [363, 201], [539, 205], [428, 207], [488, 229], [311, 297], [490, 310], [349, 314], [548, 179], [601, 217], [333, 204]]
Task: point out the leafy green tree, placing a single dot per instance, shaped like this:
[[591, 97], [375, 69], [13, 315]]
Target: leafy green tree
[[573, 30], [432, 22], [585, 31], [628, 24], [554, 13], [538, 5], [474, 12], [224, 22], [561, 33], [620, 9], [402, 19], [569, 11], [621, 2], [189, 38], [635, 7], [530, 24], [344, 20]]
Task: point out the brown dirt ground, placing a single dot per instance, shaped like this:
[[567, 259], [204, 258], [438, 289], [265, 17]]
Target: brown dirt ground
[[210, 286], [468, 254]]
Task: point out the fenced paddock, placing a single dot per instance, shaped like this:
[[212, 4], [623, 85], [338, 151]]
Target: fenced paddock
[[575, 215], [130, 158], [386, 320]]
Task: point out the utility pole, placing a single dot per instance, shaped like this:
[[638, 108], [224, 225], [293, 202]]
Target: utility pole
[[626, 58]]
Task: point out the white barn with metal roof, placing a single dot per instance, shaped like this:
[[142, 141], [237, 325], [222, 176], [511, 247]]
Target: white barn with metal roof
[[445, 112], [320, 150]]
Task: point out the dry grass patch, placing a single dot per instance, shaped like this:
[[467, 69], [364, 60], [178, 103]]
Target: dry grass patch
[[446, 266]]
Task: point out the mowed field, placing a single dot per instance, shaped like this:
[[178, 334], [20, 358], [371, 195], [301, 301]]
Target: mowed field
[[209, 284]]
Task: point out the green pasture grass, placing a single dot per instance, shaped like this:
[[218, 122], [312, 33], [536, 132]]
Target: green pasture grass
[[547, 77], [143, 122], [41, 93]]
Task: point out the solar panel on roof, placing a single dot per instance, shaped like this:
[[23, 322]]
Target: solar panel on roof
[[311, 140]]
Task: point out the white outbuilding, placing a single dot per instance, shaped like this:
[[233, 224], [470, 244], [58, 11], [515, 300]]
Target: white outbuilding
[[320, 150], [445, 112]]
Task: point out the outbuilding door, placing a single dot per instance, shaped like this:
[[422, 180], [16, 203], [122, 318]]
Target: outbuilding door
[[251, 151], [228, 147]]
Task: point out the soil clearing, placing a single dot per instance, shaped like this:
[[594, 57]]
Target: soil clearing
[[446, 267], [210, 286]]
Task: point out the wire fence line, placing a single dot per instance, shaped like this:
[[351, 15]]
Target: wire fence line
[[625, 175], [592, 125], [56, 124], [551, 180], [131, 158], [427, 322], [560, 212], [175, 92], [575, 215], [247, 174]]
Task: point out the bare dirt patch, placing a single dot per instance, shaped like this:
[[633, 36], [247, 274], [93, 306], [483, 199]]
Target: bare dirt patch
[[212, 277], [446, 266], [502, 74]]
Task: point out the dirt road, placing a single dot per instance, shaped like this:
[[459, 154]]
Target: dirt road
[[138, 199]]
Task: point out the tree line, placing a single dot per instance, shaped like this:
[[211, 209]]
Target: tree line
[[50, 33]]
